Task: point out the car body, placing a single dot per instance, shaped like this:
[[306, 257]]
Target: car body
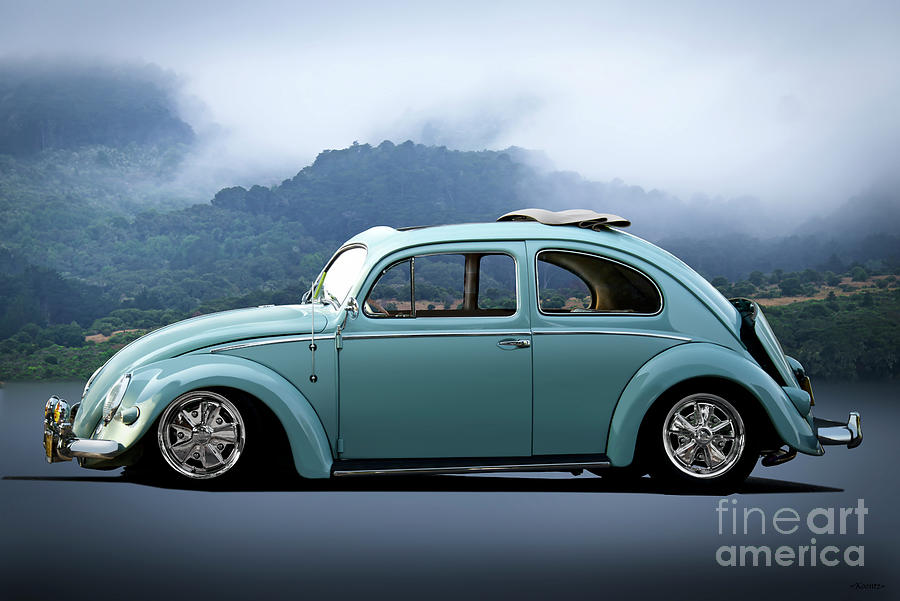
[[525, 344]]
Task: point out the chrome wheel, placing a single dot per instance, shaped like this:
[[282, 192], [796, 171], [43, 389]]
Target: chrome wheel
[[703, 436], [201, 434]]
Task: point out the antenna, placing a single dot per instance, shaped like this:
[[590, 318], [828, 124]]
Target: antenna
[[312, 334]]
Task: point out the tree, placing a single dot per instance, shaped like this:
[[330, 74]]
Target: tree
[[756, 278], [811, 275], [791, 287], [743, 289]]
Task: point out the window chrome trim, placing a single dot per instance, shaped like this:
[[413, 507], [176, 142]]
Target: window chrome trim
[[336, 254], [537, 285], [233, 347], [375, 283], [433, 334], [610, 333], [412, 287], [412, 276]]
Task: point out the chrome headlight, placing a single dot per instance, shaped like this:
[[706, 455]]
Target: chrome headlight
[[114, 397]]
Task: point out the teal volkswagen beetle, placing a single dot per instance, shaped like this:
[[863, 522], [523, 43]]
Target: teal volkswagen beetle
[[543, 342]]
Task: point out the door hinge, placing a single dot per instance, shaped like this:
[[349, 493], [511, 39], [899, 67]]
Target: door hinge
[[340, 445], [338, 342]]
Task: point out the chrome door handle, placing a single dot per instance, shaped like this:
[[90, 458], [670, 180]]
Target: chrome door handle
[[520, 343]]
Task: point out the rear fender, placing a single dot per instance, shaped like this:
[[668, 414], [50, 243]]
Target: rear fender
[[703, 360]]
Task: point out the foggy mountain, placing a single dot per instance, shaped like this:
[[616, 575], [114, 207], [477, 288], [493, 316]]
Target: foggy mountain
[[119, 163], [875, 211], [53, 105], [350, 189], [121, 141], [412, 184]]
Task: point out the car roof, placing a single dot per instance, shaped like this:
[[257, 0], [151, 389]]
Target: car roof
[[383, 240]]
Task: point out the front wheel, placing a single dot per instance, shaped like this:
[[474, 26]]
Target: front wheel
[[201, 435], [705, 440]]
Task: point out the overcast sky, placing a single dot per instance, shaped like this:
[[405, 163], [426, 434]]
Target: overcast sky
[[787, 101]]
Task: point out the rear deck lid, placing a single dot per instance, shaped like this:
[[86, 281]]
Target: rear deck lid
[[760, 340]]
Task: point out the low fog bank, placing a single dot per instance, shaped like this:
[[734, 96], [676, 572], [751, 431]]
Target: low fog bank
[[136, 138], [123, 136], [793, 104]]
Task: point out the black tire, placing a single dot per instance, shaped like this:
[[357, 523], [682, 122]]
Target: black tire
[[258, 442], [703, 441]]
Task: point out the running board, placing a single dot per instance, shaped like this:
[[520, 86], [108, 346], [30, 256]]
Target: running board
[[468, 466]]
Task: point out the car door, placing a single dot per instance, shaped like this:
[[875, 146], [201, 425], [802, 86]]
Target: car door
[[596, 321], [438, 361]]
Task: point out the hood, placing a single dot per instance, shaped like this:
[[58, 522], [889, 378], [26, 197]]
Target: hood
[[193, 334]]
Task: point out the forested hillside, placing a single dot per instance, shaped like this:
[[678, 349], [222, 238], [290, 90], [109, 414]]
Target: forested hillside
[[97, 235], [345, 191]]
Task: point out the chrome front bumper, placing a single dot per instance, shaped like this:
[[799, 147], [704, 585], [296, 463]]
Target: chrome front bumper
[[832, 433], [61, 444]]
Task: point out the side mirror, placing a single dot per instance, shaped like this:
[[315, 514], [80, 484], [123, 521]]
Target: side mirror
[[352, 307]]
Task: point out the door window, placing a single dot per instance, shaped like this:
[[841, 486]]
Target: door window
[[391, 296], [446, 285]]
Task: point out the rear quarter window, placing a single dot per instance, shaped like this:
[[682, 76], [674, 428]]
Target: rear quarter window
[[575, 282]]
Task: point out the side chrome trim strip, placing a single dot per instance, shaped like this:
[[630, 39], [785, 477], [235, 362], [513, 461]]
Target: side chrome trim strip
[[233, 347], [610, 333], [466, 469], [432, 334], [307, 337]]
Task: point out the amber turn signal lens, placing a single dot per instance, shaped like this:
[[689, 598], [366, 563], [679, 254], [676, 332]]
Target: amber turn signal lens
[[60, 411]]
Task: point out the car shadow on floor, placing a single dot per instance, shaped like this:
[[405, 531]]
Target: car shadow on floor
[[446, 483]]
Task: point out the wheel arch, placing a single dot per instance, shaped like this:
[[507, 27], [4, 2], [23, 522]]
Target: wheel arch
[[690, 367], [155, 386]]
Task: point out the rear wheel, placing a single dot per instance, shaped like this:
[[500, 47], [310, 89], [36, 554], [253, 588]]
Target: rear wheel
[[704, 440]]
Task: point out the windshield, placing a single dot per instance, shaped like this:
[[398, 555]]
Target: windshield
[[342, 273]]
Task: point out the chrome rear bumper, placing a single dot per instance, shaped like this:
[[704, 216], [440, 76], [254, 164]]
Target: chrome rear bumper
[[61, 444], [832, 433]]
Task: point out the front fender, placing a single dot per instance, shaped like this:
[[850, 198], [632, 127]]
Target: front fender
[[153, 387], [702, 360]]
